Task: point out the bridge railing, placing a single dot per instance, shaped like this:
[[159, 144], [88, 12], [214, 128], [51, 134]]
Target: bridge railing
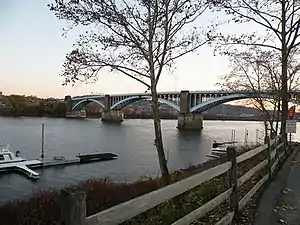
[[74, 205]]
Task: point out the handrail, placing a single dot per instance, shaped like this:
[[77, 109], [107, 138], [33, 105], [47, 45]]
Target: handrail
[[251, 153], [129, 209], [201, 211]]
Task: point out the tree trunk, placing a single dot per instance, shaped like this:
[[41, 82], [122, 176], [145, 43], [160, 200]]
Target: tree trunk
[[158, 140], [266, 131], [285, 99], [277, 115], [284, 90]]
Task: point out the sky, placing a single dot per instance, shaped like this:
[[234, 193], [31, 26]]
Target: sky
[[32, 52]]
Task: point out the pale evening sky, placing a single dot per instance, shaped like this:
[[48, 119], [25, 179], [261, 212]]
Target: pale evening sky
[[32, 52]]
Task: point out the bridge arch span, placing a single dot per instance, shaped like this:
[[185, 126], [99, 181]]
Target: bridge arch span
[[223, 99], [79, 105], [125, 102]]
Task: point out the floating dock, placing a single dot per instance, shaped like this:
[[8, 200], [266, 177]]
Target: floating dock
[[22, 167], [26, 167], [53, 162], [28, 172], [13, 162], [219, 149], [96, 157]]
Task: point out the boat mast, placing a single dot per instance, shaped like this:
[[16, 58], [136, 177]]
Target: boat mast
[[43, 131]]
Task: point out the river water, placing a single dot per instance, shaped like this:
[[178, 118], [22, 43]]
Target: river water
[[132, 141]]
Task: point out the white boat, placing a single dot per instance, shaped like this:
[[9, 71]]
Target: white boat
[[11, 161], [6, 156]]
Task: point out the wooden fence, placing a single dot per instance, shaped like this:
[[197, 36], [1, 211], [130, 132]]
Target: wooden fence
[[74, 204]]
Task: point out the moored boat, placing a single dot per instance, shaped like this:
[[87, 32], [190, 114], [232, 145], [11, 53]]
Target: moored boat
[[6, 156]]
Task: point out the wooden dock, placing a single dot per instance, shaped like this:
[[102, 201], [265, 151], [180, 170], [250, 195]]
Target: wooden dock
[[52, 162], [26, 167], [23, 167], [86, 158], [79, 159]]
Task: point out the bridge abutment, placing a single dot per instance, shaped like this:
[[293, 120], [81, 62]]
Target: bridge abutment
[[68, 103], [112, 116], [190, 121]]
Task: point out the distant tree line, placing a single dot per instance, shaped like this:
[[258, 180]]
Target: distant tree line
[[20, 105]]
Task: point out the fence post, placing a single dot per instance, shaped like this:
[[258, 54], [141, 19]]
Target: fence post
[[269, 156], [246, 136], [290, 147], [73, 208], [277, 142], [234, 200], [285, 140]]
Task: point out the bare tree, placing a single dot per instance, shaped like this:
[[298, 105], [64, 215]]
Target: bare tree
[[258, 72], [277, 23], [136, 38]]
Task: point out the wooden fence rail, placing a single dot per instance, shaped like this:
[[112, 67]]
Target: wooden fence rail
[[74, 205]]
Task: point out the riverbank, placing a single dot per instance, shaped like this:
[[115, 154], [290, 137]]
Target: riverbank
[[131, 117], [145, 115], [44, 207], [34, 116]]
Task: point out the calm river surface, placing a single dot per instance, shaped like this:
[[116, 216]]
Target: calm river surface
[[132, 141]]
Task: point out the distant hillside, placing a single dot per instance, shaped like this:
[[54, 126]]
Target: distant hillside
[[233, 110]]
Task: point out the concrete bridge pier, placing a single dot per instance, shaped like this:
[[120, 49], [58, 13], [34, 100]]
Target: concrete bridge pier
[[112, 116], [190, 121], [187, 120], [108, 115]]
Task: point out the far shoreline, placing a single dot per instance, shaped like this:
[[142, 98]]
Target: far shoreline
[[130, 118]]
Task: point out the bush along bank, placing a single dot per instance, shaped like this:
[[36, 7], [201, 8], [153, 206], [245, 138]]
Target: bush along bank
[[43, 208]]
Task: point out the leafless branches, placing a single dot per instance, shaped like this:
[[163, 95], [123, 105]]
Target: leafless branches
[[136, 38], [276, 24], [257, 72]]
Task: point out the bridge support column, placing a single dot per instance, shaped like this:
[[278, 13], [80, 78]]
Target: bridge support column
[[112, 116], [107, 102], [190, 121], [108, 115], [187, 120]]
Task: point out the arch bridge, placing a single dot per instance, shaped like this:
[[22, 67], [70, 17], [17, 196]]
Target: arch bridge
[[189, 104]]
